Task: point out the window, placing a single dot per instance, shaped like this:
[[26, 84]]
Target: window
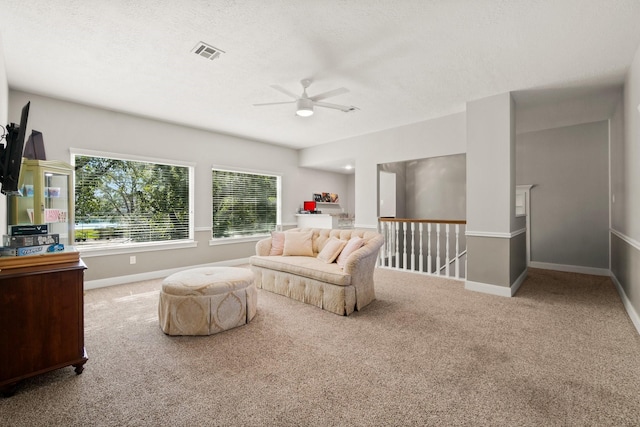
[[122, 201], [244, 204]]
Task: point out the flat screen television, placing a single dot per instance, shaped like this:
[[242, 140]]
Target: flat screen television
[[11, 153]]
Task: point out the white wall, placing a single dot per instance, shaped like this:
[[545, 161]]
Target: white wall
[[629, 223], [399, 171], [617, 195], [491, 165], [625, 186], [4, 88], [68, 125], [350, 207], [552, 108], [430, 138], [4, 104]]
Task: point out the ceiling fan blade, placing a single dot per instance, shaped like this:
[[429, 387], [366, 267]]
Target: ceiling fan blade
[[328, 94], [286, 92], [344, 108], [273, 103]]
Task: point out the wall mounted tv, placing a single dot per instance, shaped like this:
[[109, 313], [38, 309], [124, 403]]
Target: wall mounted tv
[[11, 154]]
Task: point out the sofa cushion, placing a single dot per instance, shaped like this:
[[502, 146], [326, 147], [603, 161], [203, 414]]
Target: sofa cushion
[[277, 243], [297, 243], [305, 266], [331, 250], [353, 245]]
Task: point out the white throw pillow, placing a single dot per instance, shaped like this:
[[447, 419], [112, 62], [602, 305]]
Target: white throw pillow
[[331, 250], [353, 245], [298, 243]]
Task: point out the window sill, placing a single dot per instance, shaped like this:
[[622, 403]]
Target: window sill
[[87, 252], [233, 240]]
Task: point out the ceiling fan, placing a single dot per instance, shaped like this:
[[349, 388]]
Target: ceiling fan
[[305, 103]]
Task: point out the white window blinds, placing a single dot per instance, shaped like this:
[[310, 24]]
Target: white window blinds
[[125, 201], [244, 204]]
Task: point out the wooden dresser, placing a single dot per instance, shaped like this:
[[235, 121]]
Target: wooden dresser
[[41, 321]]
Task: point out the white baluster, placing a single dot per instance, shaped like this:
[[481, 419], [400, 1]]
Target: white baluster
[[457, 251], [404, 245], [413, 246], [381, 231], [385, 234], [447, 258], [396, 244], [390, 245], [421, 262], [429, 248], [438, 249]]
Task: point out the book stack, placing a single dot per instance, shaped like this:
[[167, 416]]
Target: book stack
[[25, 240], [31, 244]]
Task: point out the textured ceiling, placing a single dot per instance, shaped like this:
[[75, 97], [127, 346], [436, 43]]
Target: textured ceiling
[[402, 60]]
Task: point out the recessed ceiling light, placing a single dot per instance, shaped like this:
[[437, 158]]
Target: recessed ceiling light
[[348, 167]]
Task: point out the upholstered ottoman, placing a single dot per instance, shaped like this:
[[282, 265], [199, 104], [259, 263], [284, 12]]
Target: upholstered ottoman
[[207, 300]]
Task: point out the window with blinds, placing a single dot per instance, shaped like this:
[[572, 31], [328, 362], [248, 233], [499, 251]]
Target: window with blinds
[[244, 204], [119, 201]]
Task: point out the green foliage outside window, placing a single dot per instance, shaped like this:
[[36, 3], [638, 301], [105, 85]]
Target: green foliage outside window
[[244, 204], [130, 201]]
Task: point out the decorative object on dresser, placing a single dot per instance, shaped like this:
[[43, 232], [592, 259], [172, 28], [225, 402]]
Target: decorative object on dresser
[[27, 240]]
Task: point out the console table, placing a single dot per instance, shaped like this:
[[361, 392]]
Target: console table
[[41, 321]]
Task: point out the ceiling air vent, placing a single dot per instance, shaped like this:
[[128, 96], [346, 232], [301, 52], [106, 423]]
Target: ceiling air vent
[[207, 51]]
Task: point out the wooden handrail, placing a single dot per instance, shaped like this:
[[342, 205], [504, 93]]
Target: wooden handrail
[[432, 221]]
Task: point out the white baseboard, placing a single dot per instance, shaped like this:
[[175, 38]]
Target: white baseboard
[[485, 288], [635, 319], [365, 227], [570, 268], [120, 280], [501, 291], [516, 285]]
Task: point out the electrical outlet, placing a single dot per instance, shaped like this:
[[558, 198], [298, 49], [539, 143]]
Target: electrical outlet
[[132, 259]]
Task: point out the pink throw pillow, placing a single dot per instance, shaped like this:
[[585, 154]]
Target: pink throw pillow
[[277, 243], [353, 245]]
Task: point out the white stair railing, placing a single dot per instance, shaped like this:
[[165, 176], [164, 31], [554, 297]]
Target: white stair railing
[[402, 239]]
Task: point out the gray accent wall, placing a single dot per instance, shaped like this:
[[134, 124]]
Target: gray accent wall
[[437, 187], [569, 202], [625, 266], [432, 188], [489, 261], [518, 256]]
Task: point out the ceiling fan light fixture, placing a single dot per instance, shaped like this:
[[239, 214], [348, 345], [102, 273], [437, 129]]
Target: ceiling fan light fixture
[[304, 107]]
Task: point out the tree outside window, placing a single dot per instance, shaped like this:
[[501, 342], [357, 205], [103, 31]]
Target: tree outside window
[[125, 201]]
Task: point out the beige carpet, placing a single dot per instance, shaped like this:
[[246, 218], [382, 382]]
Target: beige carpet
[[427, 352]]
